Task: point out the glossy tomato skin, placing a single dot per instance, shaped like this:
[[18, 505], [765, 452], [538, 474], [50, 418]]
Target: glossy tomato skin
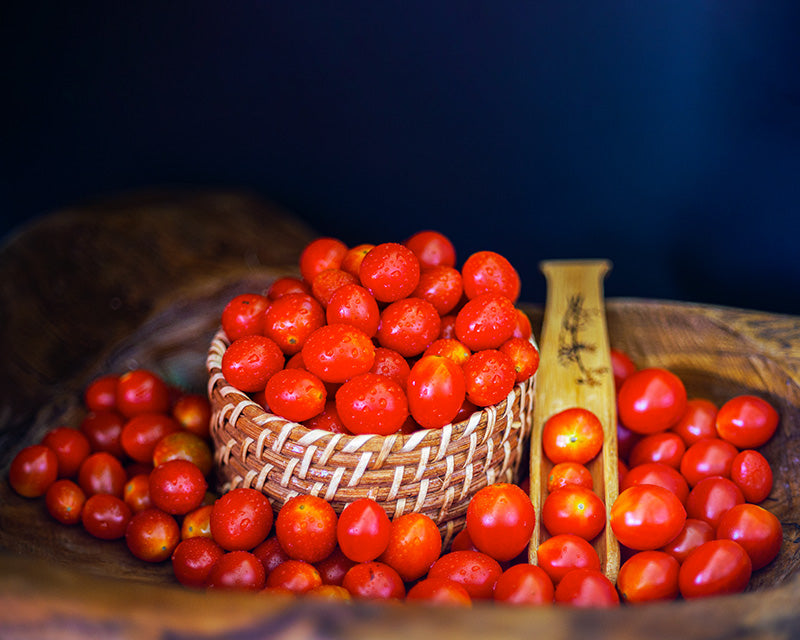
[[572, 435], [651, 400], [408, 326], [659, 474], [706, 458], [372, 403], [354, 257], [374, 581], [415, 543], [432, 248], [752, 473], [103, 429], [436, 389], [197, 523], [64, 500], [441, 286], [291, 319], [33, 469], [241, 519], [136, 492], [105, 516], [717, 567], [490, 272], [298, 576], [586, 588], [390, 271], [747, 421], [243, 315], [569, 473], [352, 304], [320, 254], [489, 377], [142, 432], [574, 509], [193, 559], [439, 591], [338, 352], [327, 282], [363, 530], [237, 571], [621, 366], [524, 584], [71, 447], [646, 517], [295, 394], [141, 391], [101, 393], [250, 361], [710, 498], [177, 487], [697, 422], [756, 529], [152, 535], [306, 528], [391, 364], [184, 445], [694, 533], [665, 446], [523, 354], [486, 321], [192, 411], [328, 419], [561, 553], [648, 576], [287, 284], [500, 520], [333, 568], [476, 571], [102, 473]]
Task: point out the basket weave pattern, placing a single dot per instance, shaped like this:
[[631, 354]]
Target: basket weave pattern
[[433, 471]]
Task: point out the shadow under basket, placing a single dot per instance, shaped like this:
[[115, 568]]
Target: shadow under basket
[[432, 471]]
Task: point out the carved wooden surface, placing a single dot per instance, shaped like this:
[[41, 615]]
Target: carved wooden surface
[[139, 281]]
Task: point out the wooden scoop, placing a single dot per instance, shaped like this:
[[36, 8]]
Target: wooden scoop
[[575, 371]]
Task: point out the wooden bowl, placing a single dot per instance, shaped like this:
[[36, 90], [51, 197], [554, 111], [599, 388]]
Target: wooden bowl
[[57, 582]]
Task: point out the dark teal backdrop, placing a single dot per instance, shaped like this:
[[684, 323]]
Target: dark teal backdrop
[[662, 135]]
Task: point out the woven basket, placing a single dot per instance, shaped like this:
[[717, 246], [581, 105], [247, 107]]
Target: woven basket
[[433, 471]]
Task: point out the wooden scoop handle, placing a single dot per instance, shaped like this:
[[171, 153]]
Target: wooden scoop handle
[[575, 371]]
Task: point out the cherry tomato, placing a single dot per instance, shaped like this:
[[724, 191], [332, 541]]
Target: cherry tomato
[[296, 576], [706, 458], [752, 473], [33, 470], [586, 588], [409, 326], [337, 352], [697, 422], [271, 553], [328, 419], [363, 530], [136, 492], [241, 519], [306, 528], [694, 533], [561, 553], [476, 571], [141, 434], [432, 248], [747, 421], [462, 542], [103, 429], [105, 516], [193, 559], [524, 356], [177, 486], [237, 571], [574, 509], [102, 473], [295, 394], [448, 326], [490, 272], [489, 376], [651, 400], [333, 568], [441, 286], [197, 523], [522, 327], [329, 592], [372, 403], [287, 284], [352, 304], [243, 315], [710, 498], [569, 473], [664, 446], [448, 348], [328, 281], [250, 361], [645, 517], [321, 254], [436, 390], [648, 576], [500, 520], [572, 435], [717, 567], [390, 272], [354, 257], [391, 364], [374, 581], [141, 391], [439, 591], [152, 535], [291, 319], [659, 474], [524, 584], [64, 500], [184, 445], [101, 393], [415, 543], [486, 321], [192, 411], [622, 366]]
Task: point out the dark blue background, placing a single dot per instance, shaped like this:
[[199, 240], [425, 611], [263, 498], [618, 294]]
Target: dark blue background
[[662, 135]]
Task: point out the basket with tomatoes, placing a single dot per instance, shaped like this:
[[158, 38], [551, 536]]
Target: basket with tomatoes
[[381, 371]]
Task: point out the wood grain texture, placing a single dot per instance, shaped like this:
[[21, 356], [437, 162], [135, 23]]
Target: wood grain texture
[[140, 281]]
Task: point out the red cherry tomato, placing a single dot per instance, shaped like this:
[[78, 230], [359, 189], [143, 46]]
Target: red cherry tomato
[[352, 304], [241, 519], [243, 315], [500, 520], [391, 364], [657, 473], [33, 470], [105, 516], [102, 473], [648, 576], [177, 486], [490, 272], [697, 422], [436, 390], [152, 535], [354, 257], [372, 403], [328, 420], [432, 248], [415, 543], [448, 348], [192, 411], [717, 567], [524, 584], [561, 553], [291, 319], [586, 588], [752, 473], [287, 284], [141, 434], [136, 492], [756, 529], [524, 356], [374, 581], [408, 326], [651, 400], [363, 530], [622, 366], [306, 528], [486, 321], [522, 327], [237, 571], [664, 446], [321, 254], [101, 393], [103, 429], [141, 391], [439, 591], [441, 286], [337, 352], [694, 533], [295, 394], [706, 458], [64, 500], [197, 523], [476, 571], [572, 435], [747, 421], [327, 282], [333, 568], [568, 473], [193, 559], [645, 517], [710, 498], [297, 576], [271, 553], [184, 445], [574, 509], [489, 376], [250, 361], [390, 271]]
